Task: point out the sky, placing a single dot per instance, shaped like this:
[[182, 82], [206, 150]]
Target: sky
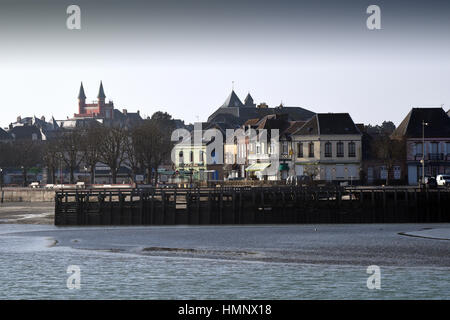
[[183, 56]]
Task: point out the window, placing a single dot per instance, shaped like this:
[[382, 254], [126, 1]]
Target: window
[[419, 149], [201, 156], [191, 156], [284, 147], [300, 150], [180, 155], [328, 150], [340, 149], [351, 149], [447, 147], [311, 149]]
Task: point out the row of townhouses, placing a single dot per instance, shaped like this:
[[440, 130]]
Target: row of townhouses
[[328, 147]]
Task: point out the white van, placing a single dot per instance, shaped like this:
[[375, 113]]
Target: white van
[[443, 179]]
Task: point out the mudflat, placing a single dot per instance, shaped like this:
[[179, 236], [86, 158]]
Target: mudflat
[[27, 212]]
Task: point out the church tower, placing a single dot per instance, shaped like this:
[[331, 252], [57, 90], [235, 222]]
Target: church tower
[[81, 100]]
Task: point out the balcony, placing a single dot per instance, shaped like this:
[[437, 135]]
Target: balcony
[[435, 156]]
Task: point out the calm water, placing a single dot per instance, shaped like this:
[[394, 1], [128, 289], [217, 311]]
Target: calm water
[[220, 262]]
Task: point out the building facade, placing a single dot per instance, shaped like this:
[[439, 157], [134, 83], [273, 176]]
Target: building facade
[[328, 147], [426, 132]]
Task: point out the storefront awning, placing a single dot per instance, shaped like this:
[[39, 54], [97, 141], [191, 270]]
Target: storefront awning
[[257, 167]]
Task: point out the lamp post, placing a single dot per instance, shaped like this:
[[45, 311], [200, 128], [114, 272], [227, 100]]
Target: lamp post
[[423, 150], [1, 185]]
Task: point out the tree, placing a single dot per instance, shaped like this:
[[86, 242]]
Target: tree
[[25, 155], [50, 155], [112, 148], [152, 145], [159, 115], [70, 144], [92, 136], [389, 151]]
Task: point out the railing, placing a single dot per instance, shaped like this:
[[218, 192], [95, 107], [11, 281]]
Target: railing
[[436, 156]]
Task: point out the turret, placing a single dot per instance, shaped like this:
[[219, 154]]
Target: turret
[[101, 96], [81, 100]]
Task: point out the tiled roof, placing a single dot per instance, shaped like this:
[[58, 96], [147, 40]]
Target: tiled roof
[[329, 123], [438, 124], [4, 135], [232, 101]]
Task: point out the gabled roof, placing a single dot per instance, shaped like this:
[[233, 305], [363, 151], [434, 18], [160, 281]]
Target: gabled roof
[[251, 122], [329, 123], [25, 132], [294, 126], [232, 101], [4, 135], [438, 124]]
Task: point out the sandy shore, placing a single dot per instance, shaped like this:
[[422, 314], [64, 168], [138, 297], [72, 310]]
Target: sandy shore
[[27, 212]]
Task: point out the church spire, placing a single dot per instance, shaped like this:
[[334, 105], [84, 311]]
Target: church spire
[[81, 95], [101, 93]]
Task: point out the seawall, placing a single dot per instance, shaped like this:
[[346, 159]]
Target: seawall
[[27, 195]]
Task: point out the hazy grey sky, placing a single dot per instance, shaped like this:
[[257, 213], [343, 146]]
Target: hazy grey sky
[[181, 56]]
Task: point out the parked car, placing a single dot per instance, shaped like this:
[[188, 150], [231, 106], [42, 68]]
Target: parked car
[[443, 180], [298, 180], [430, 182]]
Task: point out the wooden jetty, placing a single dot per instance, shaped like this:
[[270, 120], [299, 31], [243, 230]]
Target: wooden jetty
[[250, 205]]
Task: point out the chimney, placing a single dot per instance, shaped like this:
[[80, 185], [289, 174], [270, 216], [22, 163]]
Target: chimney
[[43, 118], [124, 111], [19, 118]]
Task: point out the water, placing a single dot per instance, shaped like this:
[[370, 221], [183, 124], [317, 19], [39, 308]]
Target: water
[[220, 262]]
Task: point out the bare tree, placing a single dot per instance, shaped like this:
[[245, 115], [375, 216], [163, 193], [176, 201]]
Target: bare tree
[[26, 154], [92, 136], [112, 148], [389, 151], [51, 158], [152, 145], [70, 146]]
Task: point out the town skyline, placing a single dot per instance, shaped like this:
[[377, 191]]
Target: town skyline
[[92, 90], [183, 58]]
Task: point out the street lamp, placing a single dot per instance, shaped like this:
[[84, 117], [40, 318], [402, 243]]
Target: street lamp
[[1, 185], [423, 150]]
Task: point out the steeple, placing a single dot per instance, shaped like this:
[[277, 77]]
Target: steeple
[[232, 101], [81, 95], [101, 93], [81, 100], [248, 102]]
